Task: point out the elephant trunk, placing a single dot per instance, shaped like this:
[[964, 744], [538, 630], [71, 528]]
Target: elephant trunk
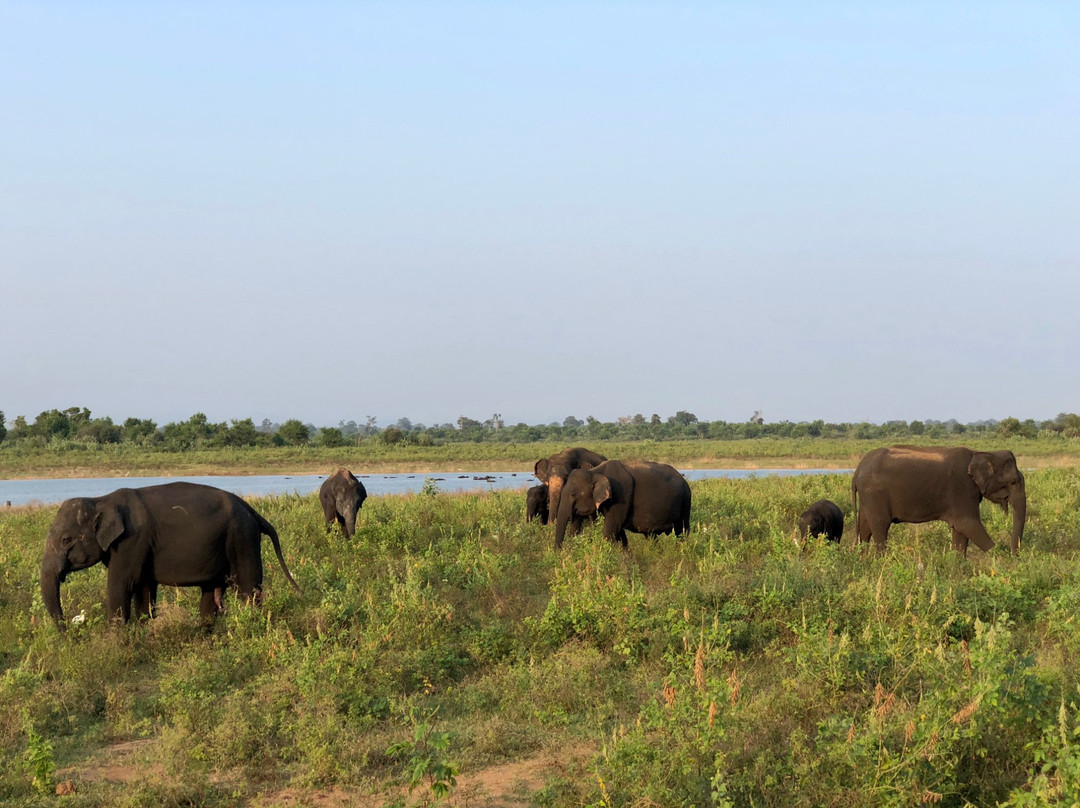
[[1018, 503], [565, 512], [554, 484], [53, 572], [348, 510]]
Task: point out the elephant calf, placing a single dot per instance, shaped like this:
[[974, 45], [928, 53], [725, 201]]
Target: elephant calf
[[342, 496], [536, 504], [822, 518]]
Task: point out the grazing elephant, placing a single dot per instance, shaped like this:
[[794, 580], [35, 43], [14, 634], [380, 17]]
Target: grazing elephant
[[642, 497], [536, 503], [822, 518], [177, 534], [923, 484], [342, 495], [555, 469]]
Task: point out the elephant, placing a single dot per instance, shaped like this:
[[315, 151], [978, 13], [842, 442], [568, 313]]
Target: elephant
[[822, 518], [536, 503], [342, 496], [555, 469], [928, 483], [177, 534], [639, 496]]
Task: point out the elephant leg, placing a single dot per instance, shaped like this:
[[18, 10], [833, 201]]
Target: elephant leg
[[144, 599], [959, 542], [873, 524], [210, 604], [118, 594], [972, 528]]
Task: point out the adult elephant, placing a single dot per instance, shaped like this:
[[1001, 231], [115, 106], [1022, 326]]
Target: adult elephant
[[177, 534], [554, 470], [924, 484], [639, 496], [822, 518], [342, 496]]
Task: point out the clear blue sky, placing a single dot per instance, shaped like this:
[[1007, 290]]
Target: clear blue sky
[[848, 211]]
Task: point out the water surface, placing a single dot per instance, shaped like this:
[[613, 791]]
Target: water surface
[[51, 491]]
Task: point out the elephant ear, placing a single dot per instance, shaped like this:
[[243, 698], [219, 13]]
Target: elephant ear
[[541, 470], [110, 526], [981, 470], [601, 490]]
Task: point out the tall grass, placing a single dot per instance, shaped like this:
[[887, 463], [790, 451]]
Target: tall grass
[[728, 667]]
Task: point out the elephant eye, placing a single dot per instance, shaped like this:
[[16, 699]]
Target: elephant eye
[[67, 541]]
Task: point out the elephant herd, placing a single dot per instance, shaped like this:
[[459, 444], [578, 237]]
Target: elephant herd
[[184, 534]]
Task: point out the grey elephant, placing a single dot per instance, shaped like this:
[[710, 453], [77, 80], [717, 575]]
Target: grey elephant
[[928, 483], [536, 503], [822, 518], [554, 470], [342, 496], [177, 534], [639, 496]]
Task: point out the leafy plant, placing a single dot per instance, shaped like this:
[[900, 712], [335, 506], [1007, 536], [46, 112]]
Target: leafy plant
[[425, 756]]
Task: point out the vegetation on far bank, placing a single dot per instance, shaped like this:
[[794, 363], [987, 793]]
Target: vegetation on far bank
[[72, 443], [726, 668], [72, 459]]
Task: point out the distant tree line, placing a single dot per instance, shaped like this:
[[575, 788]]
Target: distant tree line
[[76, 425]]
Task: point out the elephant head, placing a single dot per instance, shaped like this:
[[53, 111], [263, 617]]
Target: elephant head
[[1000, 481], [555, 470], [583, 496], [80, 537]]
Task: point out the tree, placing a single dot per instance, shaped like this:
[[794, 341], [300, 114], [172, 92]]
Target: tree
[[3, 429], [572, 422], [242, 433], [1009, 427], [294, 433], [331, 437], [100, 431], [136, 430]]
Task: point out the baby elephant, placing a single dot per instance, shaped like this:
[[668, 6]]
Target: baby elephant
[[536, 503], [341, 496], [823, 518]]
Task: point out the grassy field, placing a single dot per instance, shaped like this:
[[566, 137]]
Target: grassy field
[[119, 460], [448, 640]]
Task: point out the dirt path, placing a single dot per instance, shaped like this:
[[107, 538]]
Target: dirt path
[[508, 785]]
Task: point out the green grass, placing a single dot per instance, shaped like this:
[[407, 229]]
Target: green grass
[[727, 667], [71, 458]]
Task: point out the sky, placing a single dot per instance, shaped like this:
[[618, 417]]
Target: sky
[[328, 211]]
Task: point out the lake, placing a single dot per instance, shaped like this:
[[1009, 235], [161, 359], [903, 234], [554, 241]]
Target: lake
[[51, 491]]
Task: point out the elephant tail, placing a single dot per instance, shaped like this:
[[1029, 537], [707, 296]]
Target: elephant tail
[[268, 529]]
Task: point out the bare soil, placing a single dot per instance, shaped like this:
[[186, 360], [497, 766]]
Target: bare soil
[[507, 785]]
